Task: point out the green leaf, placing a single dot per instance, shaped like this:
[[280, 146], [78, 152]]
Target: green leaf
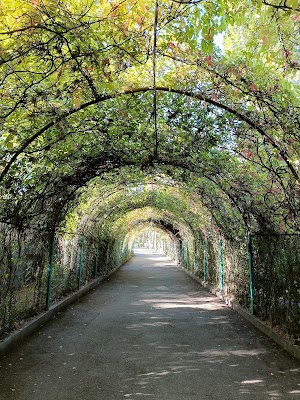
[[294, 4]]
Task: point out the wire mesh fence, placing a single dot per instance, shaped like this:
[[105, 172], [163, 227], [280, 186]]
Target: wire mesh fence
[[22, 259], [276, 281], [37, 271], [158, 241], [261, 273]]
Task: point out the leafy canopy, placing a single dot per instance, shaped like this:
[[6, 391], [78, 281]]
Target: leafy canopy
[[99, 88]]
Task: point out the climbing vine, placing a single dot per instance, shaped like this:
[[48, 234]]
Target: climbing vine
[[115, 115]]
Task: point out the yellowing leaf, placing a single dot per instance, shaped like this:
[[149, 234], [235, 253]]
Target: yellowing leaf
[[10, 145], [76, 98], [294, 4]]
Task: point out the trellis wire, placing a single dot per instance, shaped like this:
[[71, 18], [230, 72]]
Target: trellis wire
[[262, 272], [37, 271]]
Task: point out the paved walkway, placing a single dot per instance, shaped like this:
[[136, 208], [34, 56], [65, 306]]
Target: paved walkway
[[149, 332]]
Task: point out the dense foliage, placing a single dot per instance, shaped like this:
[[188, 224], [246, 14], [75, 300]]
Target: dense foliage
[[183, 115], [77, 94]]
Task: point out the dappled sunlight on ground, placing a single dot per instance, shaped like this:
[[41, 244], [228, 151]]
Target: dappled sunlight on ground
[[255, 387], [242, 367], [241, 385], [156, 259], [150, 332], [164, 304]]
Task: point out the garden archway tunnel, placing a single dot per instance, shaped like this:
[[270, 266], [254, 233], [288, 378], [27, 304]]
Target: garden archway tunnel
[[117, 117]]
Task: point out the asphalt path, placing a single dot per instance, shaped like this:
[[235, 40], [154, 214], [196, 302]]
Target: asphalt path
[[149, 332]]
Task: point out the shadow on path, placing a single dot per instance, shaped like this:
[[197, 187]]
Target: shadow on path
[[149, 332]]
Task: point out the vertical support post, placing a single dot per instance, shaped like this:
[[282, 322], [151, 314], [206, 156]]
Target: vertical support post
[[182, 254], [250, 258], [195, 261], [96, 261], [107, 256], [221, 267], [50, 268], [204, 261], [119, 253], [79, 271], [187, 255]]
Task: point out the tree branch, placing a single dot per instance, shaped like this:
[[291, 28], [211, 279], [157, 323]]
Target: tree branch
[[198, 95]]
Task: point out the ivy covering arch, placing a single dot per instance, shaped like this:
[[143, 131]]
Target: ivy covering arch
[[109, 107]]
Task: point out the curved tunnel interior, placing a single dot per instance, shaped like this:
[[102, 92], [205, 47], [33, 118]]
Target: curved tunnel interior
[[171, 139]]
